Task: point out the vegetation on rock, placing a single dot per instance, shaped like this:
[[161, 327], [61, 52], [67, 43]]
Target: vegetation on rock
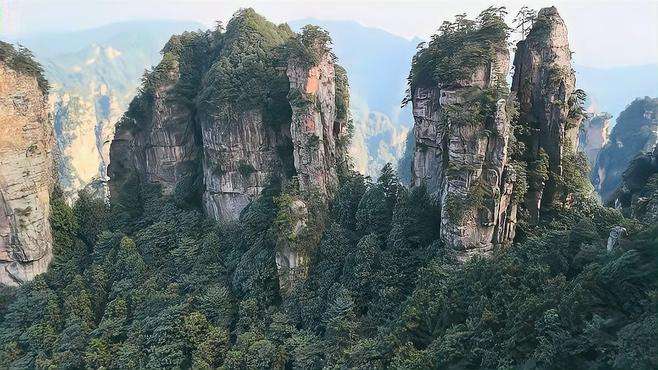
[[21, 60]]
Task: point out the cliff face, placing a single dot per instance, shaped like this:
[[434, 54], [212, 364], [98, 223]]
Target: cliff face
[[226, 113], [635, 133], [461, 153], [475, 148], [26, 168], [544, 84], [637, 196], [594, 135]]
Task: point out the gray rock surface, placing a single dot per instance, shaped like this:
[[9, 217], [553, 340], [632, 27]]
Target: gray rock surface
[[544, 84]]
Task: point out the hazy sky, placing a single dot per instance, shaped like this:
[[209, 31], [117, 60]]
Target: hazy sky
[[602, 33]]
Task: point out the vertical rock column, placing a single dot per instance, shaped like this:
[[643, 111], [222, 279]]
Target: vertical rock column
[[544, 83], [313, 101], [26, 177], [463, 159], [160, 147]]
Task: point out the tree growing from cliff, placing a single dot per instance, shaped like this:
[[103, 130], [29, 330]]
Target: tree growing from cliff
[[524, 20]]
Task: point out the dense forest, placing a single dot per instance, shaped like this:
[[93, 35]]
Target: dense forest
[[149, 282]]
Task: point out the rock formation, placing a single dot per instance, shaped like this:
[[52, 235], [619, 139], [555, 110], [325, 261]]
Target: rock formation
[[94, 74], [549, 106], [635, 133], [466, 151], [461, 153], [637, 196], [226, 113], [594, 135], [26, 168]]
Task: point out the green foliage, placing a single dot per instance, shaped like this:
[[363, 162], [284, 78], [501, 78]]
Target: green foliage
[[459, 48], [166, 288], [22, 60], [245, 74], [309, 46]]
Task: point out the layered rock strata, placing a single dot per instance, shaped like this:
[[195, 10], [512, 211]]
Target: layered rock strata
[[465, 149]]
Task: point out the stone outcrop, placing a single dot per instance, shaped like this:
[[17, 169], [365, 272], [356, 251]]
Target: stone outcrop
[[635, 133], [465, 150], [26, 173], [461, 155], [594, 135], [234, 148], [204, 125], [544, 85], [160, 145], [315, 128], [616, 233], [637, 196]]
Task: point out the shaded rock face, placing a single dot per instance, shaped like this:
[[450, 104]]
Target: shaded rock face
[[26, 177], [239, 160], [164, 148], [544, 84], [465, 163], [594, 135], [637, 196], [635, 134]]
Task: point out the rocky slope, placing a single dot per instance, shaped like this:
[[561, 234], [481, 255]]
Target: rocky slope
[[471, 148], [594, 134], [26, 168], [225, 114], [636, 132]]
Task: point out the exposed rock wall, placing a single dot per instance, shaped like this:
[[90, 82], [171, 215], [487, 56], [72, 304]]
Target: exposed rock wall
[[637, 196], [162, 146], [464, 161], [466, 152], [235, 142], [635, 133], [594, 135], [26, 177], [239, 159], [544, 84], [314, 129]]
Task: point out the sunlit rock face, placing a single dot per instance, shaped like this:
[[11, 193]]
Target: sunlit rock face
[[635, 134], [544, 84], [26, 177], [315, 128], [594, 135], [465, 152]]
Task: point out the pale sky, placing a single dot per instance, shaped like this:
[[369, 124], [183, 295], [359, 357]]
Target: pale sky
[[602, 33]]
